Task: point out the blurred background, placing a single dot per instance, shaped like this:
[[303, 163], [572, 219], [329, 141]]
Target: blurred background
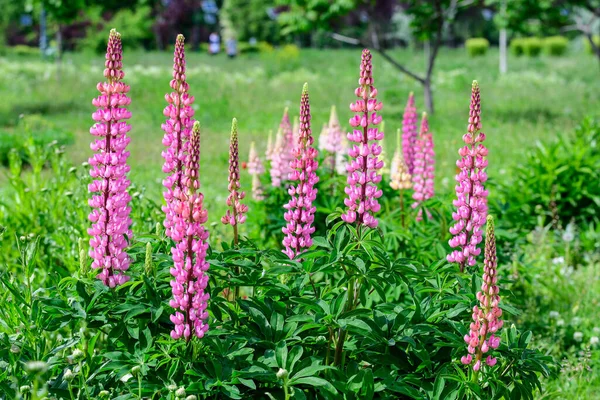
[[537, 62]]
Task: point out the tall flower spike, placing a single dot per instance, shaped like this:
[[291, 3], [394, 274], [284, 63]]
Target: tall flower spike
[[424, 171], [269, 152], [278, 160], [177, 130], [323, 138], [236, 212], [471, 202], [483, 332], [189, 254], [363, 169], [255, 169], [110, 200], [300, 211], [409, 132], [400, 179]]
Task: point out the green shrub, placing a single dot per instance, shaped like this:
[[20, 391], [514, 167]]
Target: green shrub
[[33, 127], [23, 51], [556, 182], [516, 46], [588, 46], [477, 46], [532, 46], [556, 45]]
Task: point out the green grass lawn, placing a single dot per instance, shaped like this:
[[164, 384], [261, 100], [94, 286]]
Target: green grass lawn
[[537, 99]]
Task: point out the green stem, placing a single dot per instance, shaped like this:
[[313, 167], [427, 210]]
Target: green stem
[[139, 385], [342, 333]]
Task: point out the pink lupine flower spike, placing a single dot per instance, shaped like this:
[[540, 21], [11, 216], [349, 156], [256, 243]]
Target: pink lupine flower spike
[[471, 202], [110, 200], [409, 132], [424, 167], [189, 281], [483, 334], [300, 211], [236, 211], [363, 169]]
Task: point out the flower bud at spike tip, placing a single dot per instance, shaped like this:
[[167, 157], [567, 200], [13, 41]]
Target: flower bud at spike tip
[[108, 169], [484, 336], [190, 300], [364, 168], [148, 260], [424, 167], [471, 203], [235, 214], [300, 211]]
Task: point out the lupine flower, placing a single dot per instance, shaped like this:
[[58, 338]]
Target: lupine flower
[[189, 254], [424, 167], [483, 332], [278, 160], [335, 137], [323, 138], [409, 132], [177, 130], [363, 175], [236, 213], [341, 157], [400, 179], [269, 152], [110, 200], [300, 212], [255, 169], [471, 204]]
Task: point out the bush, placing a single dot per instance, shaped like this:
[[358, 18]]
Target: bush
[[477, 46], [516, 46], [588, 46], [556, 182], [532, 46], [22, 50], [556, 45], [32, 129]]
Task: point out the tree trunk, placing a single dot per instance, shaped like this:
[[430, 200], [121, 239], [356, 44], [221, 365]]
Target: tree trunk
[[503, 40], [428, 96]]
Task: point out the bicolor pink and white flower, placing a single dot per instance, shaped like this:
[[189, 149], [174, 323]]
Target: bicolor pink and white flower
[[177, 130], [483, 336], [409, 132], [278, 160], [400, 179], [363, 169], [108, 169], [300, 211], [190, 279], [471, 202]]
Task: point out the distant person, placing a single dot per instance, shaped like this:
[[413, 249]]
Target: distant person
[[214, 43], [231, 46]]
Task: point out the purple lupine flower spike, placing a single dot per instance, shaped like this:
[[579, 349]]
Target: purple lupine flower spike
[[363, 169], [177, 130], [236, 212], [483, 332], [471, 202], [409, 132], [424, 167], [189, 281], [300, 211], [110, 200]]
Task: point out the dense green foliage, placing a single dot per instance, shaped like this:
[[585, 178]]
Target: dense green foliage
[[556, 45]]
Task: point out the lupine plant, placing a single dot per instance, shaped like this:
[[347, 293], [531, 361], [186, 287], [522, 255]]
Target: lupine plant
[[278, 160], [424, 167], [400, 178], [363, 175], [236, 211], [255, 169], [300, 211], [483, 334], [471, 202], [110, 217], [189, 254], [409, 132]]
